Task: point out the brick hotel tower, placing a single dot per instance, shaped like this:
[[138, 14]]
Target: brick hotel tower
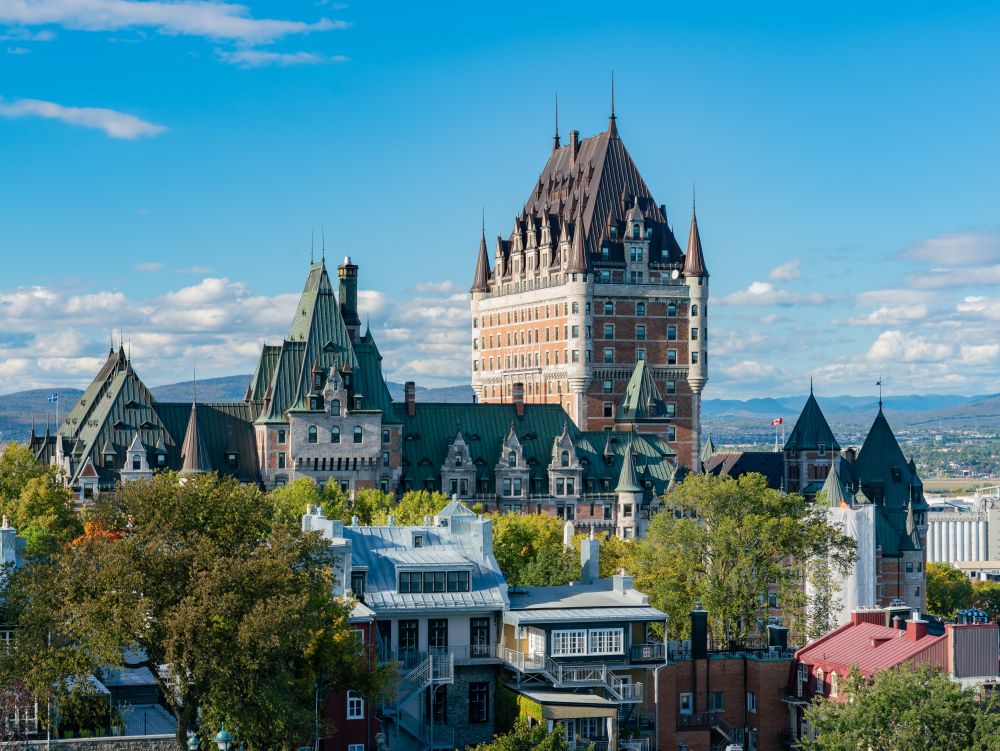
[[590, 283]]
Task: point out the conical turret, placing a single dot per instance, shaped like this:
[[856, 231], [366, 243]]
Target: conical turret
[[194, 454], [628, 479], [694, 259], [481, 281], [577, 257]]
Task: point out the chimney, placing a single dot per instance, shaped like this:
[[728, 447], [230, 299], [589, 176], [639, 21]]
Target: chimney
[[517, 395], [898, 623], [410, 397], [348, 274], [568, 532], [481, 531], [621, 582], [777, 636], [574, 143], [699, 633], [590, 552], [916, 627], [850, 455]]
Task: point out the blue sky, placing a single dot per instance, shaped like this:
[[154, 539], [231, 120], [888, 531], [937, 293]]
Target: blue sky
[[164, 164]]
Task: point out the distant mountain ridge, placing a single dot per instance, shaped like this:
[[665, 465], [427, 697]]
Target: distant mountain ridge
[[931, 411]]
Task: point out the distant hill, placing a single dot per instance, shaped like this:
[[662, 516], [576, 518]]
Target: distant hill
[[846, 414]]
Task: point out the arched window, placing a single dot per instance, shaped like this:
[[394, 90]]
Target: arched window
[[358, 434], [335, 407], [640, 308], [564, 459], [512, 459], [312, 434], [694, 310], [609, 308], [334, 434]]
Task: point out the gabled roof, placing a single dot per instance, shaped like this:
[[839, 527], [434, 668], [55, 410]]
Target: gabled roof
[[642, 399], [811, 430]]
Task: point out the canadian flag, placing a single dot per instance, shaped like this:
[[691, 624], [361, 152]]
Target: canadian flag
[[778, 421]]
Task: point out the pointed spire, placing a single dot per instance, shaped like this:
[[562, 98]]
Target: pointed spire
[[555, 139], [628, 480], [694, 259], [194, 454], [481, 281], [322, 251], [577, 256], [612, 125], [31, 435], [312, 245]]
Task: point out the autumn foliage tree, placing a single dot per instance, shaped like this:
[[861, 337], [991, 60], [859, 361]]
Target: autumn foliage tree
[[200, 577], [948, 590]]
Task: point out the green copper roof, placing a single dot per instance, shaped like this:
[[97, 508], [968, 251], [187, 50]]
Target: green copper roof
[[811, 430], [642, 399], [628, 481], [368, 379], [882, 469], [708, 449], [836, 491]]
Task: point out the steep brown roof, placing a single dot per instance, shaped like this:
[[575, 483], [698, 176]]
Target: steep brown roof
[[589, 177], [481, 281], [694, 259]]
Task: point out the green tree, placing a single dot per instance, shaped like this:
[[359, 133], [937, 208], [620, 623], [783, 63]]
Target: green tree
[[411, 508], [523, 737], [986, 597], [917, 710], [948, 590], [721, 541], [529, 549], [202, 577], [18, 466]]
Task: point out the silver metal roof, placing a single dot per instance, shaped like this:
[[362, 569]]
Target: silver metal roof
[[583, 615]]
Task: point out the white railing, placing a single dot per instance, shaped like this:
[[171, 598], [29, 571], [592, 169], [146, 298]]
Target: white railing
[[576, 675], [634, 744], [624, 692], [413, 681], [442, 669], [524, 663]]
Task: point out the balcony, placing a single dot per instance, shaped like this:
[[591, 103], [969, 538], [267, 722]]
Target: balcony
[[653, 652], [462, 655], [697, 720], [523, 663]]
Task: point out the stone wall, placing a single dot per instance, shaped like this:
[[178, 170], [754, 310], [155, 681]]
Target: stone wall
[[127, 743], [466, 733]]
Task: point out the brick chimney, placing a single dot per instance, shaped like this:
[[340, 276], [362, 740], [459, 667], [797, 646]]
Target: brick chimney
[[410, 397], [574, 143], [916, 627], [517, 396]]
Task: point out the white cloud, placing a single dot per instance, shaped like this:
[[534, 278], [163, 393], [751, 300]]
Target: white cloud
[[895, 346], [786, 271], [765, 293], [26, 35], [944, 279], [752, 370], [253, 58], [18, 51], [205, 18], [979, 354], [149, 266], [958, 249], [115, 124]]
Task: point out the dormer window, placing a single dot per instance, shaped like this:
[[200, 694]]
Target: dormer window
[[232, 459], [649, 233], [136, 462], [317, 379], [161, 459], [614, 231], [512, 459], [635, 231], [358, 583], [109, 460], [564, 459], [605, 253], [418, 541], [315, 403]]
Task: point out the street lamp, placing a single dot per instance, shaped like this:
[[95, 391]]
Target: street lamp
[[192, 743], [223, 739]]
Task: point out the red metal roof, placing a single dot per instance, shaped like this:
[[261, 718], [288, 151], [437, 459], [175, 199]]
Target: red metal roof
[[868, 646]]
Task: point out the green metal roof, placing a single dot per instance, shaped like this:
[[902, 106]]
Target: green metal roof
[[836, 491], [883, 471], [642, 399], [369, 382], [811, 430], [628, 480]]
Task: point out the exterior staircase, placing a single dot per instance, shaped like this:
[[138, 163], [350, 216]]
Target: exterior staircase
[[575, 676], [411, 731]]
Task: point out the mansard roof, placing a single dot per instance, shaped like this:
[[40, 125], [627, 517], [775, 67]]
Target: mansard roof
[[811, 430]]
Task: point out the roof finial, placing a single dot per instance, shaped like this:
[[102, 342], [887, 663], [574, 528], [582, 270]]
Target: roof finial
[[879, 384], [322, 230], [312, 243], [810, 385], [194, 383], [555, 139], [694, 202], [612, 128]]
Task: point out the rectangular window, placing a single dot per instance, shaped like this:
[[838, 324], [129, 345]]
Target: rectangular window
[[576, 355], [411, 582], [605, 276], [694, 335], [358, 583], [281, 436], [355, 706], [576, 331], [608, 387], [437, 633], [671, 387], [606, 641], [694, 358], [479, 642], [640, 354], [385, 435], [716, 701], [569, 642], [640, 308], [281, 460], [479, 695], [434, 581], [671, 434], [609, 409], [355, 747], [686, 705], [752, 702], [609, 331], [671, 333], [458, 581], [671, 409], [671, 357], [640, 332], [609, 355], [506, 486], [408, 633]]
